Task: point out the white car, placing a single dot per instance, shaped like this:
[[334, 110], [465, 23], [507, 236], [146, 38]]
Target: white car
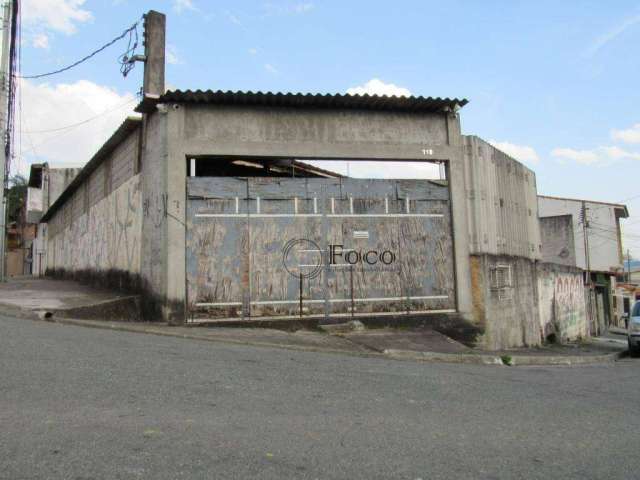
[[633, 332]]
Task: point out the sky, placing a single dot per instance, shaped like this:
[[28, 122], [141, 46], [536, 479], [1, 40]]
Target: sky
[[553, 84]]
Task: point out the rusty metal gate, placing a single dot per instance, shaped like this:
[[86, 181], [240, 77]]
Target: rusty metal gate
[[264, 247]]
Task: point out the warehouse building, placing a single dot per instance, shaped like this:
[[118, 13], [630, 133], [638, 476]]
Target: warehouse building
[[208, 207]]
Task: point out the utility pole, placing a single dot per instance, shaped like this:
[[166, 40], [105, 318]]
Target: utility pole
[[587, 257], [628, 267], [584, 219], [7, 12]]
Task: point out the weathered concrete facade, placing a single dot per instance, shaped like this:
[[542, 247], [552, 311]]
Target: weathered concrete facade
[[139, 216], [558, 240], [597, 242], [504, 245], [605, 248], [561, 302], [46, 184], [158, 150], [93, 230], [197, 129]]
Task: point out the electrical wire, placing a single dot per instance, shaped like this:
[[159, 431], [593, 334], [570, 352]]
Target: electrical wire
[[90, 119], [132, 31]]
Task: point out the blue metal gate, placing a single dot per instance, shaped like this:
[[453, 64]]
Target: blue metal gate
[[272, 247]]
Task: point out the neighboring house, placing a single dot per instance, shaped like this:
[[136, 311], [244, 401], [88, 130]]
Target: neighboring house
[[45, 186], [593, 236], [633, 276]]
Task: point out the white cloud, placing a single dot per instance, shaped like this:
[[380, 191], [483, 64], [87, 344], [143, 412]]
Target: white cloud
[[172, 55], [376, 86], [58, 15], [180, 6], [302, 7], [585, 157], [600, 156], [629, 135], [233, 19], [270, 68], [48, 107], [522, 153], [288, 9], [40, 40], [607, 37], [617, 153]]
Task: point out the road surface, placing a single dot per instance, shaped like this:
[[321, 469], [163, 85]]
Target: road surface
[[80, 403]]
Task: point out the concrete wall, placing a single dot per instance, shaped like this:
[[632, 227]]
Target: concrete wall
[[299, 133], [96, 233], [605, 249], [558, 240], [541, 299], [561, 300], [105, 238], [509, 314], [502, 202]]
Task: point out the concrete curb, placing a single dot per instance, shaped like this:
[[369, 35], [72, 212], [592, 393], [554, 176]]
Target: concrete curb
[[392, 354], [123, 327], [468, 358], [515, 360]]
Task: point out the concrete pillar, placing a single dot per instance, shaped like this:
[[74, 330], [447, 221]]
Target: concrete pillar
[[175, 248], [459, 217]]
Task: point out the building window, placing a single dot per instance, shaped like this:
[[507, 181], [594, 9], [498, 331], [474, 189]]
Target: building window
[[501, 277], [501, 282]]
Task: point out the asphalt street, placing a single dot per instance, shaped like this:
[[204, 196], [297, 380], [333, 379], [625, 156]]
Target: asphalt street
[[80, 403]]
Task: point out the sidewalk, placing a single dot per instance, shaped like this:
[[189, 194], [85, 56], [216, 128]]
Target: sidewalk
[[30, 298]]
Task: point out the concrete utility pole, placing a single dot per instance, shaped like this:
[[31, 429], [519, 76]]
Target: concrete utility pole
[[587, 257], [585, 230], [154, 44], [4, 108]]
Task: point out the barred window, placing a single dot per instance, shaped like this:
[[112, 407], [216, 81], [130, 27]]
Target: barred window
[[501, 277]]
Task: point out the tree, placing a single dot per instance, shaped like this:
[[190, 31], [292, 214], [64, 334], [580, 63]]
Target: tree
[[16, 196]]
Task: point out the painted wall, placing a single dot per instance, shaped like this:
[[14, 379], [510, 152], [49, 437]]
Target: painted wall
[[561, 299], [540, 299], [605, 250], [239, 228], [105, 238]]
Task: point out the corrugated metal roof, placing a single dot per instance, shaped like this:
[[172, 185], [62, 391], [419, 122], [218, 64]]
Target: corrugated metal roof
[[300, 100], [128, 126]]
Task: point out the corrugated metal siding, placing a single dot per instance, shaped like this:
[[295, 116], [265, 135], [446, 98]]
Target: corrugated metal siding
[[502, 202]]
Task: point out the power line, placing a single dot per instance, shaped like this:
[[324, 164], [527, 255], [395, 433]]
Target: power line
[[117, 107], [132, 31]]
